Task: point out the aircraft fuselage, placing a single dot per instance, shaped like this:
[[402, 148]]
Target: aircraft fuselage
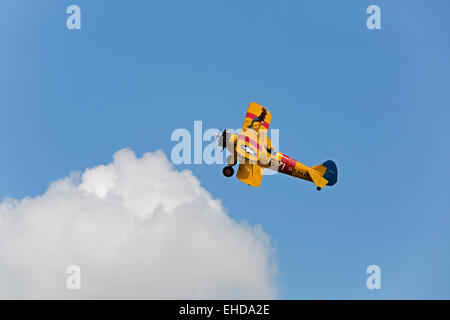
[[277, 161]]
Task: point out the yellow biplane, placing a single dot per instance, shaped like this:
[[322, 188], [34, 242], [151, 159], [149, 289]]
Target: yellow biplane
[[252, 148]]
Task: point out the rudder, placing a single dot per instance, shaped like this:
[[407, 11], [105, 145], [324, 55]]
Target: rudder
[[331, 173]]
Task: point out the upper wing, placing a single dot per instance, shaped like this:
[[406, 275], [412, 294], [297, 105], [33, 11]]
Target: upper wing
[[250, 143], [250, 174], [253, 138], [254, 111]]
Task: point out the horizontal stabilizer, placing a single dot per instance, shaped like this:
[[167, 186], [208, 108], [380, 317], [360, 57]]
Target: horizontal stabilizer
[[317, 178], [320, 169], [328, 170]]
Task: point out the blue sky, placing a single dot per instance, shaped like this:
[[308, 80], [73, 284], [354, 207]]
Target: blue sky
[[375, 102]]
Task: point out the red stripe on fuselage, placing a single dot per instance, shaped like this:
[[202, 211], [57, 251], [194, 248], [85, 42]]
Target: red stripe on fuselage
[[253, 116], [287, 165], [251, 141]]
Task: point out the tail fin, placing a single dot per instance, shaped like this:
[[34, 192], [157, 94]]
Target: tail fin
[[329, 171]]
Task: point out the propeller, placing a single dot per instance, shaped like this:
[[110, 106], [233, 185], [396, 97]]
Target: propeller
[[218, 133], [222, 135]]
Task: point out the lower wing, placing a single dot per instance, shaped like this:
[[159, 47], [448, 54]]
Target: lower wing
[[250, 174]]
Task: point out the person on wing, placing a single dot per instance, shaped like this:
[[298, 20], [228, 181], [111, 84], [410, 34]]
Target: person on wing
[[261, 117]]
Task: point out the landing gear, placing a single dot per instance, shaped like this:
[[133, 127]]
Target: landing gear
[[228, 171], [232, 160], [319, 188]]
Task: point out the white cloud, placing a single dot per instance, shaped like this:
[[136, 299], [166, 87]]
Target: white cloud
[[138, 229]]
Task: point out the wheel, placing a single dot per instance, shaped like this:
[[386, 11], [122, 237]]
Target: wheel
[[228, 171], [319, 188]]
